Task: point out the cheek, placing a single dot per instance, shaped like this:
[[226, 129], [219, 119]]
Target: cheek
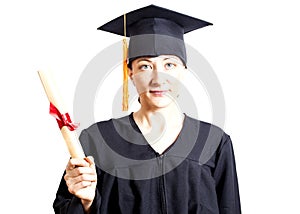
[[175, 83], [178, 81], [142, 81], [175, 79]]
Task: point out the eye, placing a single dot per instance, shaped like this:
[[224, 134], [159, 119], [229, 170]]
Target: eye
[[170, 66], [145, 67]]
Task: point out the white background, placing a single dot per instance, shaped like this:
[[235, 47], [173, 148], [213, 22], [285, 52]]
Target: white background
[[253, 48]]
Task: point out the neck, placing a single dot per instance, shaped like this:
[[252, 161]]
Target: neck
[[159, 118]]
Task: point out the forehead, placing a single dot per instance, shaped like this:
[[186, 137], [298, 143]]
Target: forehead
[[158, 58]]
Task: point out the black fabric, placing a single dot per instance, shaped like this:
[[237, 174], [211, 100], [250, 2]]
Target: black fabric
[[155, 45], [196, 174], [151, 13], [158, 26], [155, 31]]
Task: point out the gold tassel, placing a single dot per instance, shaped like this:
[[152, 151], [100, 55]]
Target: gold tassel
[[125, 71]]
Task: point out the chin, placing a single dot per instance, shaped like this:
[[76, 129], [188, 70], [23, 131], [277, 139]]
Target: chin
[[161, 102]]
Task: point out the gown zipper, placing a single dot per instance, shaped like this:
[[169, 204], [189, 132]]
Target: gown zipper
[[162, 185]]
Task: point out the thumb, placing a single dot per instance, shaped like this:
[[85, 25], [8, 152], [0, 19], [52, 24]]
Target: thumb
[[89, 159]]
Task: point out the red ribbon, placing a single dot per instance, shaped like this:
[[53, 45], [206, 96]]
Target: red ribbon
[[62, 119]]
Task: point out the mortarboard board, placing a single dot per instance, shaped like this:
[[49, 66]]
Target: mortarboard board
[[154, 31]]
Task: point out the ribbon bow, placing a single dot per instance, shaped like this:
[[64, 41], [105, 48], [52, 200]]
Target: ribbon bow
[[62, 119]]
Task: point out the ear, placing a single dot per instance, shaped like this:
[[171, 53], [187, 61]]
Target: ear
[[130, 74]]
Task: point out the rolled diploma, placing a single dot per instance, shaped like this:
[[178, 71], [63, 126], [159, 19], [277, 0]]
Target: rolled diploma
[[70, 137]]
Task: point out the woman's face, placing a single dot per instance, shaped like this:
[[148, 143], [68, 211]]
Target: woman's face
[[157, 79]]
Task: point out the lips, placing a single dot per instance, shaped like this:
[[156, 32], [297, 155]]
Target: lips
[[158, 92]]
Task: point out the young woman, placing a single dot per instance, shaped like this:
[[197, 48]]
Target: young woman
[[158, 159]]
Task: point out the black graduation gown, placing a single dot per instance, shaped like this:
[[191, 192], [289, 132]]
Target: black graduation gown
[[196, 174]]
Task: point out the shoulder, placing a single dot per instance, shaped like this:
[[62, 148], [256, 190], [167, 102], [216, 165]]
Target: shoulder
[[206, 128], [210, 139], [107, 124], [97, 139], [108, 130]]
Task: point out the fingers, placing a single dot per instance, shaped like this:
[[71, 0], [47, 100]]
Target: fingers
[[80, 172], [76, 162], [77, 172], [81, 178], [82, 186], [76, 183], [78, 166], [75, 188]]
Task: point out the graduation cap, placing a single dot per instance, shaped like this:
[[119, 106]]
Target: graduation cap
[[153, 31]]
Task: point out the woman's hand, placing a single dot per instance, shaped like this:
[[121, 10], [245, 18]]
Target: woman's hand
[[81, 179]]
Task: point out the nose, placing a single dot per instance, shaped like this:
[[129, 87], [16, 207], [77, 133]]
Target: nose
[[158, 78], [157, 74]]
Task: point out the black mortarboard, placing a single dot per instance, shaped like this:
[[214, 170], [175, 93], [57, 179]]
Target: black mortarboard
[[154, 31]]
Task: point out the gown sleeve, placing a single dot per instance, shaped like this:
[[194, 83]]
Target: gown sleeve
[[226, 179], [67, 203]]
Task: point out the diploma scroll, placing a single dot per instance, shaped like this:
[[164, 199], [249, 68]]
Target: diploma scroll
[[58, 110]]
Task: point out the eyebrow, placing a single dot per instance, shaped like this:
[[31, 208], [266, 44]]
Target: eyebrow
[[164, 59], [143, 59], [172, 58]]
